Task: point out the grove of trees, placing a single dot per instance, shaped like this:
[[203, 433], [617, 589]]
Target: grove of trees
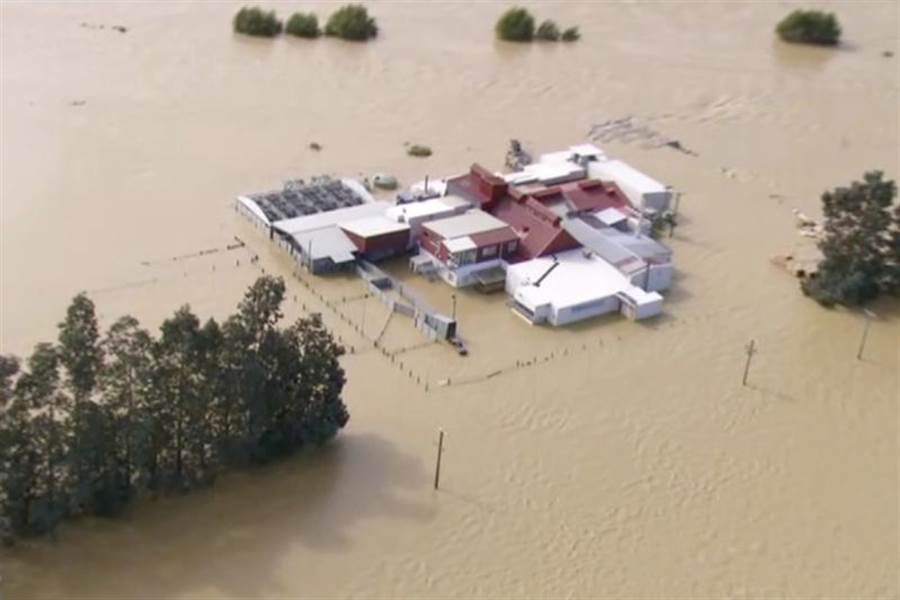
[[809, 27], [860, 245], [94, 421]]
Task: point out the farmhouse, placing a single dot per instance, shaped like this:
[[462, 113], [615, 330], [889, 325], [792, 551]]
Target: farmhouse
[[469, 248]]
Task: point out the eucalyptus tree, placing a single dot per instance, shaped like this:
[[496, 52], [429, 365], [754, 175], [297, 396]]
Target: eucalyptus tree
[[125, 388], [321, 381], [47, 411]]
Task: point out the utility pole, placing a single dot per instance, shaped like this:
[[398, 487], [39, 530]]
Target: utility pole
[[453, 299], [750, 349], [869, 315], [437, 465]]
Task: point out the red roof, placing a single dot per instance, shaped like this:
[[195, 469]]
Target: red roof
[[479, 186], [539, 235]]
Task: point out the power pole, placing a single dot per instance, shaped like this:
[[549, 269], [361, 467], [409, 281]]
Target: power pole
[[453, 299], [437, 465], [750, 349], [868, 314]]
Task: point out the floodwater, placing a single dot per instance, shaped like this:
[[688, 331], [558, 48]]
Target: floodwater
[[626, 460]]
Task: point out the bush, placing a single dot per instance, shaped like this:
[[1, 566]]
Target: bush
[[303, 25], [256, 21], [515, 25], [810, 27], [419, 150], [548, 31], [351, 22], [571, 35]]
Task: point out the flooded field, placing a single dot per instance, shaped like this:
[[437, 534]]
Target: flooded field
[[611, 459]]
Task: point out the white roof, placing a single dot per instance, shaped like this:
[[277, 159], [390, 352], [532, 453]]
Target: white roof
[[473, 221], [587, 150], [625, 176], [327, 242], [331, 217], [427, 208], [373, 226], [459, 244], [548, 173], [610, 216], [578, 278]]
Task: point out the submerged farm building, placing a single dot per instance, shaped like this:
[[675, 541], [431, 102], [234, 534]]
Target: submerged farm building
[[468, 248], [567, 236]]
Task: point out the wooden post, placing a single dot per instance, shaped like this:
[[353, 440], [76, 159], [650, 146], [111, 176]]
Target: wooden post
[[437, 466], [862, 343], [750, 350]]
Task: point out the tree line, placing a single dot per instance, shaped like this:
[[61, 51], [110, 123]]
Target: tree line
[[93, 422]]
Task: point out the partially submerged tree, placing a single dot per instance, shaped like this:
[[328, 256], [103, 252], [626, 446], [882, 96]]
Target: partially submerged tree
[[91, 425], [257, 22], [351, 22], [548, 31], [303, 25], [571, 34], [515, 25], [810, 27], [861, 244]]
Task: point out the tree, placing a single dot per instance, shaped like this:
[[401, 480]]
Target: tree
[[548, 31], [20, 463], [79, 347], [860, 248], [571, 34], [9, 368], [515, 25], [809, 27], [48, 413], [256, 22], [321, 382], [80, 353], [303, 25], [351, 22], [124, 383], [177, 393]]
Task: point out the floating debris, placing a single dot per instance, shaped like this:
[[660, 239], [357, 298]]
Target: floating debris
[[628, 131], [887, 54], [316, 146], [77, 102]]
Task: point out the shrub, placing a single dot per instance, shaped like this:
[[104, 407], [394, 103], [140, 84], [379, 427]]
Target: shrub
[[571, 35], [810, 27], [419, 150], [515, 25], [303, 25], [547, 31], [351, 22], [256, 21]]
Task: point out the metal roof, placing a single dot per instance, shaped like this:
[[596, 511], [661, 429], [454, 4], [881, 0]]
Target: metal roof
[[373, 226], [326, 242], [332, 217], [298, 198], [474, 221]]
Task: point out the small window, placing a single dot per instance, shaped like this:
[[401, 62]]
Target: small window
[[489, 251], [511, 246]]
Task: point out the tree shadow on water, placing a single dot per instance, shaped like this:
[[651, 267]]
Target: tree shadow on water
[[233, 539]]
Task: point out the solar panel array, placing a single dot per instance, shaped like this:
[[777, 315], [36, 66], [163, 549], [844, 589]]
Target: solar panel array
[[298, 198]]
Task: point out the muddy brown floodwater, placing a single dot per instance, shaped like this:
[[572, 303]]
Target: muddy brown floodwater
[[627, 461]]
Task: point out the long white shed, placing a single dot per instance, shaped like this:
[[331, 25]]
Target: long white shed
[[643, 191]]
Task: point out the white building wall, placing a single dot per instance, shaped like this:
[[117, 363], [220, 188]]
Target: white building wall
[[571, 314]]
